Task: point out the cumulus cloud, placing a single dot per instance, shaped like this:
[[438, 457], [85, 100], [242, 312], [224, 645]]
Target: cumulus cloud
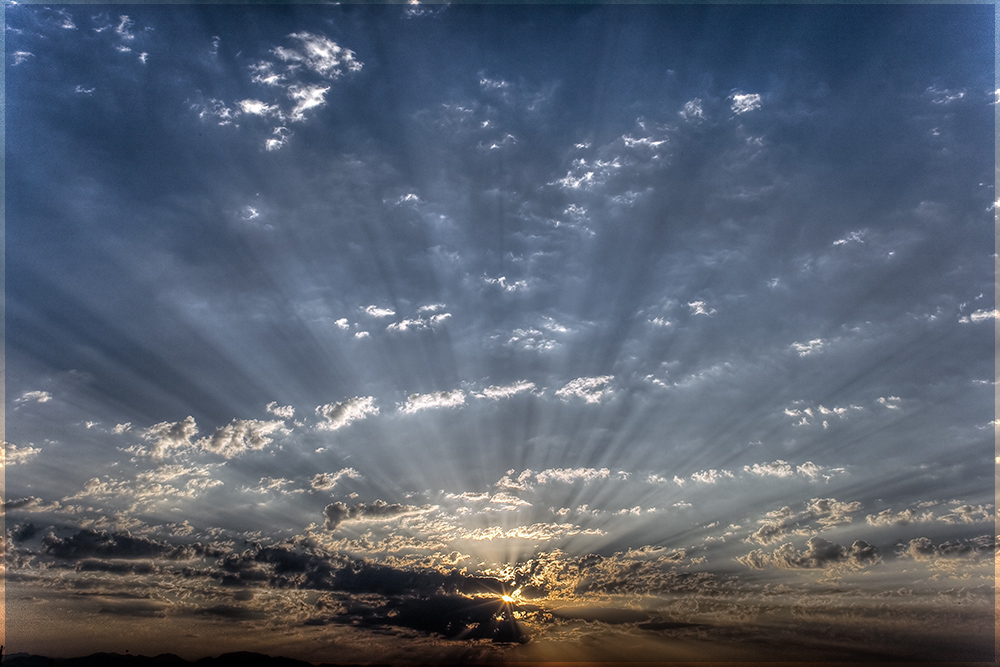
[[590, 389], [12, 454], [692, 110], [438, 399], [505, 284], [805, 349], [980, 316], [339, 415], [825, 512], [19, 57], [376, 311], [319, 54], [416, 323], [819, 553], [167, 436], [325, 481], [36, 396], [744, 102], [569, 475], [496, 392], [780, 468], [700, 308], [711, 476], [283, 411], [338, 512], [923, 549], [240, 436]]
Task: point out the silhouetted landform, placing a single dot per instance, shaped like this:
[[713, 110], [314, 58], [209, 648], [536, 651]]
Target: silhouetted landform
[[238, 659]]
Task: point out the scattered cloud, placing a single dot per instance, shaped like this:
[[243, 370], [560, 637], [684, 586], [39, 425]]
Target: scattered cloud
[[283, 411], [376, 311], [496, 392], [325, 481], [339, 415], [438, 399], [12, 454], [337, 513], [590, 389], [167, 436], [805, 349], [819, 553], [241, 435], [35, 396], [700, 308], [980, 316], [744, 102]]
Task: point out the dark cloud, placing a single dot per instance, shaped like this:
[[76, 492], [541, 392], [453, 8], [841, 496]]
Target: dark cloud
[[379, 510], [87, 543], [818, 553]]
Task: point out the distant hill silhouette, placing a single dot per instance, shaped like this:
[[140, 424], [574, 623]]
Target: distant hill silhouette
[[238, 659]]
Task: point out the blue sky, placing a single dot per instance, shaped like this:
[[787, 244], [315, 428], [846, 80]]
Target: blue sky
[[306, 302]]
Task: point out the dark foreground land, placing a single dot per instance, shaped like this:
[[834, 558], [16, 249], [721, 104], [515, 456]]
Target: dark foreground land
[[241, 659]]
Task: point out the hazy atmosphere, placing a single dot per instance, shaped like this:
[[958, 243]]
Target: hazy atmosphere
[[415, 332]]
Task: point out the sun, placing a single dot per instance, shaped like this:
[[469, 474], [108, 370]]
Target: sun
[[512, 597]]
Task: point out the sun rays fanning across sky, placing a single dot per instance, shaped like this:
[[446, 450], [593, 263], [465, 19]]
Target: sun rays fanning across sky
[[500, 333]]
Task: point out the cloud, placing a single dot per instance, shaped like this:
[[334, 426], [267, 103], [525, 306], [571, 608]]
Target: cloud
[[283, 411], [240, 436], [339, 415], [780, 468], [325, 481], [692, 110], [319, 54], [439, 399], [700, 308], [497, 392], [256, 107], [37, 396], [819, 553], [744, 102], [852, 237], [418, 323], [375, 311], [338, 512], [980, 316], [12, 454], [923, 549], [805, 349], [531, 339], [711, 476], [509, 501], [171, 435], [29, 504], [306, 97], [19, 57], [825, 512], [590, 389], [505, 284], [122, 428], [87, 543], [570, 475], [124, 27]]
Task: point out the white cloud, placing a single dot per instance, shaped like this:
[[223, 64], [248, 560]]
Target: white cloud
[[12, 454], [660, 322], [431, 308], [240, 436], [777, 468], [306, 97], [570, 475], [711, 476], [342, 323], [319, 54], [439, 399], [700, 308], [339, 415], [20, 56], [37, 396], [279, 140], [505, 284], [590, 389], [375, 311], [944, 96], [418, 323], [124, 27], [84, 91], [325, 481], [508, 501], [744, 102], [980, 316], [805, 349], [692, 110], [530, 339], [256, 107], [170, 435], [496, 392], [852, 237], [218, 109], [283, 411], [361, 334], [891, 402], [122, 428]]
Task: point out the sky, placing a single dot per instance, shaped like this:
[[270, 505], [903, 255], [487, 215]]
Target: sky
[[417, 332]]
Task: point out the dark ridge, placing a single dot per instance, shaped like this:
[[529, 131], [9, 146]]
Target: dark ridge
[[237, 659]]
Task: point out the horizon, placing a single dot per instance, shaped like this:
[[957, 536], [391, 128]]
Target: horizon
[[411, 332]]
